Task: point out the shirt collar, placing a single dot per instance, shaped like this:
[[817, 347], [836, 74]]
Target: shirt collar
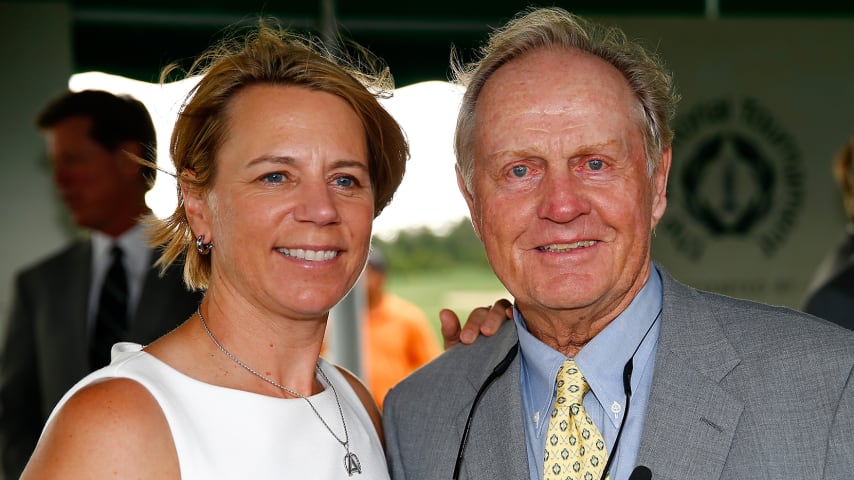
[[133, 244], [612, 346]]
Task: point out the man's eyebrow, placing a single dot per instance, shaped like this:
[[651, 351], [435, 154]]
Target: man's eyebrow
[[536, 150], [600, 147]]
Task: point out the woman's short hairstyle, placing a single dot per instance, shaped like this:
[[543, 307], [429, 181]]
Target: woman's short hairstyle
[[550, 28], [271, 56]]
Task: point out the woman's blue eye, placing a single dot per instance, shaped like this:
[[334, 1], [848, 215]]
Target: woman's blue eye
[[345, 181], [520, 171], [596, 164]]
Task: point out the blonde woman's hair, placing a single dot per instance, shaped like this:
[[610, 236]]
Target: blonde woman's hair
[[270, 55]]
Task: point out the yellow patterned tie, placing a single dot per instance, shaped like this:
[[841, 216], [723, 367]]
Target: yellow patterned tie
[[575, 449]]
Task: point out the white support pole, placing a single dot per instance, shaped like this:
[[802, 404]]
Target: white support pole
[[713, 10]]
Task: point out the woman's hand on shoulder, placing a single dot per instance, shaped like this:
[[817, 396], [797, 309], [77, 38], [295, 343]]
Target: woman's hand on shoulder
[[110, 429], [481, 321]]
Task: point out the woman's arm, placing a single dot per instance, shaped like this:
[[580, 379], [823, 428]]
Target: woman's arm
[[110, 429], [481, 321]]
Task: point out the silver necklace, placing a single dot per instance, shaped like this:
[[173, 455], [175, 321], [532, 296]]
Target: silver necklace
[[351, 461]]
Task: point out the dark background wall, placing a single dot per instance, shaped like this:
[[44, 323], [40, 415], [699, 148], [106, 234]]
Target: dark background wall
[[136, 37]]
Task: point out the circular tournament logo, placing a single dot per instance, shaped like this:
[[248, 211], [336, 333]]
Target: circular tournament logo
[[736, 173]]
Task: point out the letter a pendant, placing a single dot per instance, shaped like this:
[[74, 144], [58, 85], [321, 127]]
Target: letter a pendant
[[351, 464]]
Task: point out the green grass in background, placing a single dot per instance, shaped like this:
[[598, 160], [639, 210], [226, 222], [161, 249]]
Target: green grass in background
[[459, 288]]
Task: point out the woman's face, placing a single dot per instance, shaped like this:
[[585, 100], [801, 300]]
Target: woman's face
[[291, 207]]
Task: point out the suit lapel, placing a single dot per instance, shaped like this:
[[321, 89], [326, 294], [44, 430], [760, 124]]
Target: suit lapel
[[496, 447], [690, 421], [156, 293], [164, 303], [65, 340], [72, 303]]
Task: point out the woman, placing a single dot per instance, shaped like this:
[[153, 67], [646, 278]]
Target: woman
[[284, 159]]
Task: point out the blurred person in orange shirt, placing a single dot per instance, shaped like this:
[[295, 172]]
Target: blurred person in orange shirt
[[398, 337]]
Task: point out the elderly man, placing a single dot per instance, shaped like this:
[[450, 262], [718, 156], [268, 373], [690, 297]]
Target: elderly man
[[611, 368]]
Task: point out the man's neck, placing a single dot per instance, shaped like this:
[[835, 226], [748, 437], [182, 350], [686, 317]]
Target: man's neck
[[569, 330], [119, 227], [566, 336]]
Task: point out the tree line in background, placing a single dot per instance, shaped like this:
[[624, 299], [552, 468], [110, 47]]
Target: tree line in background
[[420, 250]]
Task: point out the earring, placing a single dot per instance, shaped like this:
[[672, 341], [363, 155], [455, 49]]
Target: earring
[[203, 248]]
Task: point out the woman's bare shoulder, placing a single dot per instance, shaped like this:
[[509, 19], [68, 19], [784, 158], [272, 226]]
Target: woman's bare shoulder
[[112, 428]]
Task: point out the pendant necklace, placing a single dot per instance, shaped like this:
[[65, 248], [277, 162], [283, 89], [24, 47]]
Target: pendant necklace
[[351, 461]]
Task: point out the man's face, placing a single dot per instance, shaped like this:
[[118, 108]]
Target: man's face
[[94, 183], [561, 197]]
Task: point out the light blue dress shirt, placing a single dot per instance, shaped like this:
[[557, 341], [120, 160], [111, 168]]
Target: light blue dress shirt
[[634, 331]]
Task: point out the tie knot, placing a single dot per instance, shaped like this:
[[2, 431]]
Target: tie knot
[[571, 384], [116, 252]]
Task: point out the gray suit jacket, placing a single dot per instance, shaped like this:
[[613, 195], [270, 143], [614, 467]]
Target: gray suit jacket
[[45, 347], [740, 391]]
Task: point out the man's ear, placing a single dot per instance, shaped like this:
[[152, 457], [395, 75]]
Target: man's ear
[[659, 186], [475, 218], [195, 204]]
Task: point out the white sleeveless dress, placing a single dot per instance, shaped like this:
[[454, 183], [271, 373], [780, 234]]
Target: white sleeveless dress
[[222, 433]]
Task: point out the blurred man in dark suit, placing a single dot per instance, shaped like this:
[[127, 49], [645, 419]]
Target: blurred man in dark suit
[[68, 309]]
